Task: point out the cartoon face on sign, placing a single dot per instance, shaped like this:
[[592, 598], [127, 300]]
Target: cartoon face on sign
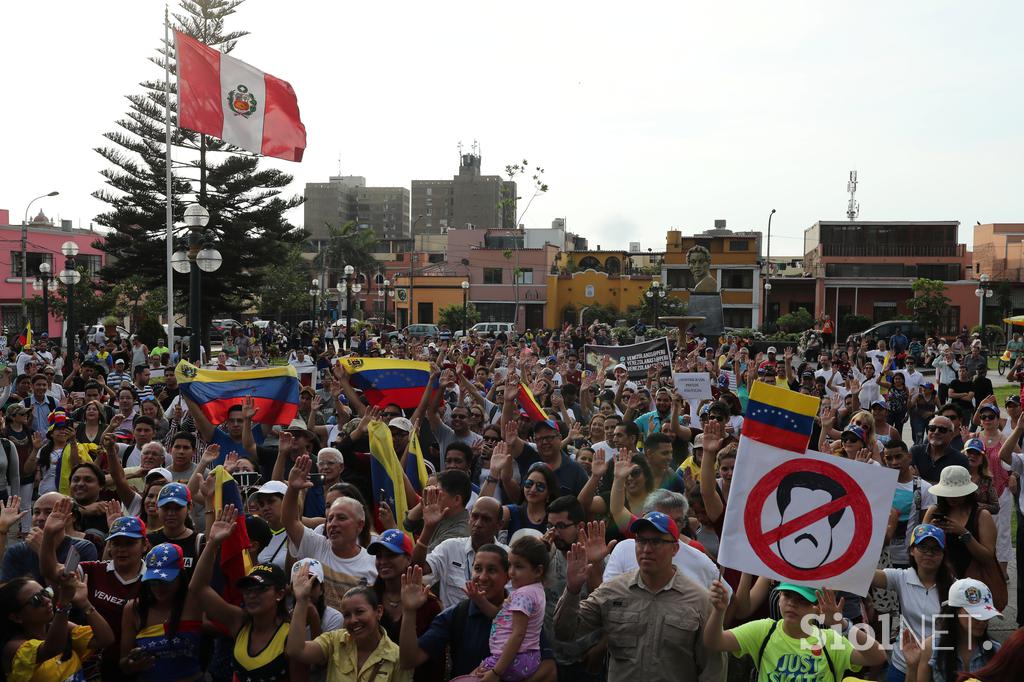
[[810, 545]]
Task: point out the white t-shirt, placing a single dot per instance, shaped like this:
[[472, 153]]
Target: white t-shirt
[[451, 566], [827, 373], [605, 449], [274, 552], [339, 574], [913, 379], [691, 562]]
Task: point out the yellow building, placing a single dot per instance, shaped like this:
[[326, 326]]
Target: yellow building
[[735, 265], [429, 293], [571, 293]]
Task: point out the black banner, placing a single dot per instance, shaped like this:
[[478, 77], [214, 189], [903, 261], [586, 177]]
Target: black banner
[[637, 357]]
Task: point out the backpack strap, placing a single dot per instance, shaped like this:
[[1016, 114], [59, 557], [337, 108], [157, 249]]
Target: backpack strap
[[828, 658], [764, 645]]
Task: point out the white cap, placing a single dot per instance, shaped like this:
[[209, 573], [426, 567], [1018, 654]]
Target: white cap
[[974, 597], [167, 475], [273, 488], [771, 349], [524, 533], [620, 366], [312, 566], [401, 423]]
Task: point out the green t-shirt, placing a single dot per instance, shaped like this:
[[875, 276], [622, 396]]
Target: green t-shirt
[[787, 660]]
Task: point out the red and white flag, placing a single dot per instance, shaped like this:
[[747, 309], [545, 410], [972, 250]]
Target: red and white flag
[[221, 96]]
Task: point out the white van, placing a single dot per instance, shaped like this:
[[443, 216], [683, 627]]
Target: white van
[[489, 330]]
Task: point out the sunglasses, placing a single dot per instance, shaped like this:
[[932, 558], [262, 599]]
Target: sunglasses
[[38, 599], [392, 415], [987, 417], [492, 439], [933, 428], [716, 417], [850, 439], [539, 485]]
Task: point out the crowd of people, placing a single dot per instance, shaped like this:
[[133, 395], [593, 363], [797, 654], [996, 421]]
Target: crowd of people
[[578, 546]]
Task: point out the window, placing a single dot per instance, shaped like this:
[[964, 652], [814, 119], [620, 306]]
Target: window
[[525, 276], [883, 311], [737, 279], [739, 318], [739, 245], [492, 275], [91, 262], [33, 259], [496, 312]]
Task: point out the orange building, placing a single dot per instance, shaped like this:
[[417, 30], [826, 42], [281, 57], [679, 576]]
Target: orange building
[[431, 291], [570, 294]]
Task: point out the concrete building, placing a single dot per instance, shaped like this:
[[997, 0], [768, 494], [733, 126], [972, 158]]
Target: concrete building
[[867, 268], [735, 264], [569, 294], [346, 198], [43, 246], [469, 198]]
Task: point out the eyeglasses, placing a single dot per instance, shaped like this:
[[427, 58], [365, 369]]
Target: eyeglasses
[[716, 417], [850, 439], [929, 549], [392, 415], [460, 416], [539, 485], [492, 439], [561, 525], [38, 599], [636, 472], [653, 542], [935, 428]]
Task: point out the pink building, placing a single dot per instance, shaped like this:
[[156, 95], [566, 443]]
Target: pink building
[[43, 245], [501, 272]]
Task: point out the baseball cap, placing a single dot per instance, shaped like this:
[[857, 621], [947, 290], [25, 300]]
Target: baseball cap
[[771, 349], [119, 361], [856, 431], [698, 442], [620, 366], [312, 566], [263, 574], [925, 531], [174, 493], [807, 373], [974, 597], [989, 407], [273, 488], [401, 423], [974, 444], [656, 520], [159, 471], [928, 385], [127, 527], [16, 410], [1015, 399], [723, 380], [392, 540], [550, 423], [164, 562], [805, 592], [879, 403]]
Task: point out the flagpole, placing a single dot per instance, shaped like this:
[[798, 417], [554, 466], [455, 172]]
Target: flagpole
[[170, 188]]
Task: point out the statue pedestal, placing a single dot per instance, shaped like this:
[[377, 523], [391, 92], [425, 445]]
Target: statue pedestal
[[709, 306]]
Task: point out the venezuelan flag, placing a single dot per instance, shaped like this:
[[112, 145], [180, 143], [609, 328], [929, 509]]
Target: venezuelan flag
[[530, 405], [274, 390], [387, 381], [386, 470], [62, 472], [26, 339], [234, 552], [415, 469], [780, 417]]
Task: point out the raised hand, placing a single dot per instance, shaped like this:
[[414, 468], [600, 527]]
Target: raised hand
[[386, 516], [210, 455], [414, 592], [58, 519], [576, 568], [113, 510], [37, 440], [911, 648], [714, 434], [828, 417], [500, 460], [302, 585], [9, 514], [475, 594], [863, 455], [719, 597], [433, 513], [224, 525], [510, 432], [248, 407], [593, 539], [623, 464], [298, 477], [599, 467], [207, 488], [830, 610]]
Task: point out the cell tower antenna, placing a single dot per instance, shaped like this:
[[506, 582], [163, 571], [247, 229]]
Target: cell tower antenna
[[339, 164], [460, 150], [476, 148], [852, 208]]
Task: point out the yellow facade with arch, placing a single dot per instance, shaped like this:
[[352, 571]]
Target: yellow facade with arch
[[589, 287]]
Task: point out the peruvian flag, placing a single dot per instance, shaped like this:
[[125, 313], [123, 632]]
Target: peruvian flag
[[221, 96]]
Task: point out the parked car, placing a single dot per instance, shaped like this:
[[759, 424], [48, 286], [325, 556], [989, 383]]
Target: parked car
[[883, 330], [218, 328], [415, 331], [489, 330], [91, 332]]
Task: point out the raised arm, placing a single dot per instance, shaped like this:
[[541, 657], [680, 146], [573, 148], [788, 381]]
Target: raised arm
[[298, 480], [715, 638], [297, 648], [248, 413], [617, 499], [231, 616], [355, 403], [414, 596], [203, 424], [713, 503]]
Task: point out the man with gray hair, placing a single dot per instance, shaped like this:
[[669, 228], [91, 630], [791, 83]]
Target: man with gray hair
[[691, 562]]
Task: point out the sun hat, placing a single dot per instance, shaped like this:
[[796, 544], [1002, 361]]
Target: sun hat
[[974, 597], [954, 481]]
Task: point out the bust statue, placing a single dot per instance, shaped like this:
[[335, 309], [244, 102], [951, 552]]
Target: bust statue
[[699, 260]]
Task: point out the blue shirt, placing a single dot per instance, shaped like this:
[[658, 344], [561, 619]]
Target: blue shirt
[[40, 413], [21, 560], [228, 445]]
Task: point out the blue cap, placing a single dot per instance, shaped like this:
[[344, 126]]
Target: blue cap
[[550, 423], [127, 527], [174, 493], [974, 444], [990, 408], [723, 380], [856, 431], [925, 531], [164, 562], [656, 520], [392, 540], [880, 403]]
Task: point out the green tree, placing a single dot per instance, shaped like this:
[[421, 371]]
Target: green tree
[[347, 245], [247, 223], [451, 316], [796, 322], [91, 304], [670, 305], [287, 284], [929, 306]]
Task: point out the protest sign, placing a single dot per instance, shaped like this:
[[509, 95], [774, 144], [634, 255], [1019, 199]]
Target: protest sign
[[810, 519], [693, 385], [637, 357]]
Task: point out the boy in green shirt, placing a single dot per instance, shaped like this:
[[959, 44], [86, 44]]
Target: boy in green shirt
[[795, 648]]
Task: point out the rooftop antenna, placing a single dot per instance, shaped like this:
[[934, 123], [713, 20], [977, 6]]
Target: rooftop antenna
[[852, 208], [460, 150], [476, 148], [339, 164]]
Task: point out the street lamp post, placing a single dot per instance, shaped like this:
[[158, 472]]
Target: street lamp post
[[385, 290], [347, 286], [983, 291], [24, 255], [70, 276], [465, 305], [412, 267], [767, 271], [196, 261], [45, 283], [656, 293]]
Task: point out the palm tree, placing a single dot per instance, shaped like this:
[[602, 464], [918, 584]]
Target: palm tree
[[347, 245]]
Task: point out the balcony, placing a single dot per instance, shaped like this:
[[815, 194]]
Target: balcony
[[893, 250]]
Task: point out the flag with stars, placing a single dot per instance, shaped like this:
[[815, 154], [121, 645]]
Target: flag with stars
[[387, 381], [780, 417]]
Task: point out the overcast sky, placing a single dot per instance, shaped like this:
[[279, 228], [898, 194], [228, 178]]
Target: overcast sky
[[646, 116]]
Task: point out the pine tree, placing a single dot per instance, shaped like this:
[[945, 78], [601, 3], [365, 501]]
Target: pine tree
[[247, 223]]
